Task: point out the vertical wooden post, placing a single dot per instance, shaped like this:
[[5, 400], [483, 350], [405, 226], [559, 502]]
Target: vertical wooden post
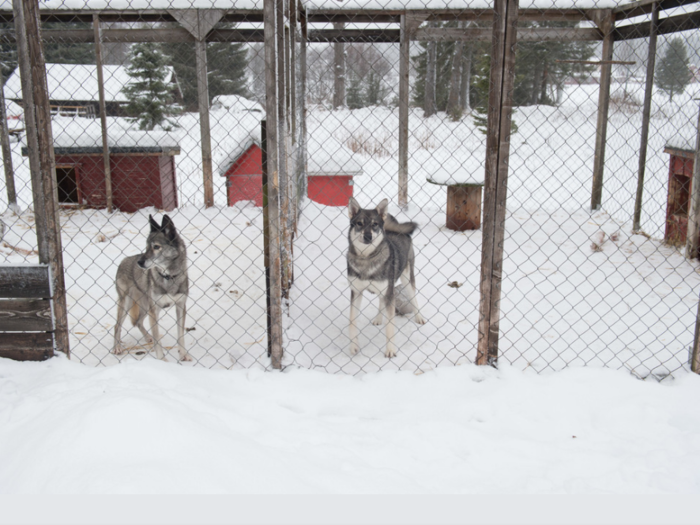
[[496, 183], [282, 146], [429, 103], [606, 23], [301, 94], [338, 70], [691, 243], [103, 110], [200, 47], [7, 156], [272, 155], [646, 115], [403, 113], [42, 166]]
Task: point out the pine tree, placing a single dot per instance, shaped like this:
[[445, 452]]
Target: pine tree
[[354, 94], [673, 72], [374, 91], [150, 97]]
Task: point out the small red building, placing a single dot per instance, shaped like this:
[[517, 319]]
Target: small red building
[[331, 173], [142, 166], [680, 178]]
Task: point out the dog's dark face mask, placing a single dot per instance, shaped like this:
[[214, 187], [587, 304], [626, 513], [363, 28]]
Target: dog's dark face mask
[[366, 226], [161, 246]]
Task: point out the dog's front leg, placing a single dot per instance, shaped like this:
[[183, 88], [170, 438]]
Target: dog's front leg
[[379, 319], [390, 314], [153, 312], [122, 312], [181, 309], [355, 303]]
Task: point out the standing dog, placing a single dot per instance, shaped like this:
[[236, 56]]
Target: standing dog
[[380, 252], [151, 281]]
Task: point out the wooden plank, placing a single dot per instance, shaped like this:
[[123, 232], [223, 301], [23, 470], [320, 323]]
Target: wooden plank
[[7, 156], [273, 131], [606, 23], [103, 112], [672, 24], [501, 84], [404, 67], [37, 114], [282, 147], [463, 208], [28, 282], [646, 115], [25, 315], [204, 126], [691, 243], [26, 346], [644, 7]]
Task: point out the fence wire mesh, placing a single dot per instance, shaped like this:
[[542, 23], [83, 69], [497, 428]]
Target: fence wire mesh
[[580, 287]]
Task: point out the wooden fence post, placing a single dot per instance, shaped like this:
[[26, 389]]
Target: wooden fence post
[[37, 114], [7, 156], [605, 19], [646, 115], [199, 22], [404, 57], [283, 148], [301, 106], [273, 183], [103, 110], [496, 183]]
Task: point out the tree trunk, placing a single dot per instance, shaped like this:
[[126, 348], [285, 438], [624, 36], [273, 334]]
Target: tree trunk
[[430, 105], [453, 108], [339, 71], [535, 85], [466, 78]]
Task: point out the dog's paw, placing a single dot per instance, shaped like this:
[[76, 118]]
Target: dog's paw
[[187, 357], [117, 350], [390, 351], [354, 348], [419, 319], [377, 321]]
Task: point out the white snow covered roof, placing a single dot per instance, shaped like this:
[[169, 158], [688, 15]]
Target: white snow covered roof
[[86, 135], [78, 82], [330, 157], [236, 104], [239, 131]]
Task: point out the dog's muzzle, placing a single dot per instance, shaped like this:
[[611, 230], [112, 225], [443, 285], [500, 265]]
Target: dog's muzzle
[[367, 238], [142, 263]]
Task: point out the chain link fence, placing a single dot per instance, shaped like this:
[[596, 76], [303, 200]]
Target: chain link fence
[[580, 287]]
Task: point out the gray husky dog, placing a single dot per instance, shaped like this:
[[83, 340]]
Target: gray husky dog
[[380, 252], [153, 280]]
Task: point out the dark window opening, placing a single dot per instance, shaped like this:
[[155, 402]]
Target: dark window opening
[[67, 186]]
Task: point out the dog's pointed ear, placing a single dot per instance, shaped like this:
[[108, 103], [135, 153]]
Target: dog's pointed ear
[[382, 209], [353, 207], [155, 227], [169, 227]]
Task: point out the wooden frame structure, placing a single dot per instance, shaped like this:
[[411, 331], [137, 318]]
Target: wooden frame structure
[[284, 23]]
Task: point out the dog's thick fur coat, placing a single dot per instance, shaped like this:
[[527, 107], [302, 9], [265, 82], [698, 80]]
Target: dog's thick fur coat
[[380, 252], [153, 280]]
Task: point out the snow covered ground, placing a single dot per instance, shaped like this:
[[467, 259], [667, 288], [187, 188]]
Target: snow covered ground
[[151, 427], [630, 305]]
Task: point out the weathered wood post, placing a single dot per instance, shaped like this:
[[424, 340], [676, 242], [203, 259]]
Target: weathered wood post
[[301, 107], [7, 156], [199, 22], [338, 70], [103, 110], [272, 131], [691, 242], [496, 180], [605, 19], [37, 115], [283, 147], [404, 57], [646, 115]]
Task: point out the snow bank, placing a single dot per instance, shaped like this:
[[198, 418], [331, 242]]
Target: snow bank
[[153, 427]]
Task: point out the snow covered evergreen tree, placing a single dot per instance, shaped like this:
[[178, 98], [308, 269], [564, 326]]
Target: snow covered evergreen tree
[[151, 99], [672, 71], [354, 97]]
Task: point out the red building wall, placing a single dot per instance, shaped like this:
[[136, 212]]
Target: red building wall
[[678, 203], [137, 181]]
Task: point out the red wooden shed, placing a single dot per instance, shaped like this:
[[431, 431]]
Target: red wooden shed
[[142, 166], [331, 172], [680, 177]]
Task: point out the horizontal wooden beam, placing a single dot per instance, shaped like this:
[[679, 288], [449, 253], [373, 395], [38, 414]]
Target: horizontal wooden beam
[[27, 282], [172, 35], [128, 15], [643, 7], [26, 347], [378, 16], [672, 24], [25, 315]]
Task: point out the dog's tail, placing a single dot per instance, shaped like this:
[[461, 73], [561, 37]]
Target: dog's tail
[[134, 313], [392, 225]]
